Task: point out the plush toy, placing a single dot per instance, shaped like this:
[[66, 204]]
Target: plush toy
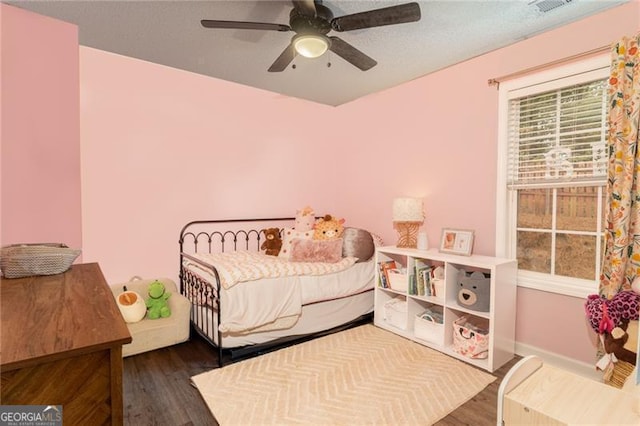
[[622, 341], [157, 305], [304, 219], [272, 243], [328, 228], [474, 291], [604, 314], [131, 305]]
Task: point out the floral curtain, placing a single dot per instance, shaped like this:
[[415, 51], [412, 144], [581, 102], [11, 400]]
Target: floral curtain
[[622, 238]]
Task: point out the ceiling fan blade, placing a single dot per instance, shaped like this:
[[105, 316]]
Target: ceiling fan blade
[[400, 14], [351, 54], [285, 58], [210, 23], [305, 7]]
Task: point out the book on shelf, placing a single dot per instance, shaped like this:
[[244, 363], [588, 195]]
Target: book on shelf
[[426, 276], [384, 268], [422, 271]]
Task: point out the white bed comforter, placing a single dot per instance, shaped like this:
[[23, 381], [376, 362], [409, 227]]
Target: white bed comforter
[[274, 302], [243, 266]]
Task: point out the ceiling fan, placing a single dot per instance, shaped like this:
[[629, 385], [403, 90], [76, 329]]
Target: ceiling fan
[[312, 21]]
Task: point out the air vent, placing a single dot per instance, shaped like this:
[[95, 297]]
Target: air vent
[[548, 5]]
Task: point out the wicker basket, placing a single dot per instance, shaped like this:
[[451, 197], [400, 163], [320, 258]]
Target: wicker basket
[[25, 260]]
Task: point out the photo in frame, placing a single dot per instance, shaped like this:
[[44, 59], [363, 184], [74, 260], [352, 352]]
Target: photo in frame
[[456, 241]]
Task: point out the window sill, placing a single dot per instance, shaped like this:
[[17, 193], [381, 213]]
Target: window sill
[[559, 285]]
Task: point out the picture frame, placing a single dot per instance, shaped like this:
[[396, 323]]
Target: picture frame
[[457, 241]]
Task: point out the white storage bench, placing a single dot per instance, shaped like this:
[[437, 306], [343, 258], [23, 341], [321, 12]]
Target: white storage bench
[[153, 334]]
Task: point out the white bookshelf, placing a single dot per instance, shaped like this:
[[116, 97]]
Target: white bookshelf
[[501, 315]]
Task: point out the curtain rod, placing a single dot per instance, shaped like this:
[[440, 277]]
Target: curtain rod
[[496, 81]]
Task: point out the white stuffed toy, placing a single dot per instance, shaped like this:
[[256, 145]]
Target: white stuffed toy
[[305, 219], [131, 305]]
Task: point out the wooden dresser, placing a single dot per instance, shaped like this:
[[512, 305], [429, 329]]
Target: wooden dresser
[[61, 344]]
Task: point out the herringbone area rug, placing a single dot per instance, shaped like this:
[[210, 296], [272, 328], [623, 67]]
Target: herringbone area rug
[[364, 375]]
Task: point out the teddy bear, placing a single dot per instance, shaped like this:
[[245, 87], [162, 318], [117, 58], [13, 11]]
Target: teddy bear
[[604, 314], [622, 341], [328, 228], [304, 219], [272, 243], [157, 305]]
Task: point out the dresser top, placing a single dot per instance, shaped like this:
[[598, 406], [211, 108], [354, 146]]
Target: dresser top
[[45, 318]]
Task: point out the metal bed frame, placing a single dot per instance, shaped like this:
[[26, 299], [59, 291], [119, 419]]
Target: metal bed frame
[[205, 296]]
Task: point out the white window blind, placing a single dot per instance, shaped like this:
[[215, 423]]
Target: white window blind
[[558, 136]]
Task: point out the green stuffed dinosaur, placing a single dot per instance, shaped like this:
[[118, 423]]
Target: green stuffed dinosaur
[[157, 305]]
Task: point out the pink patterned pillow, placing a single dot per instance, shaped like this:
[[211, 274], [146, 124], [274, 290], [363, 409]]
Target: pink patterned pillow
[[327, 251], [288, 235]]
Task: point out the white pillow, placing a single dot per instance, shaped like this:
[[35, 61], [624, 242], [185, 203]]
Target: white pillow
[[288, 235]]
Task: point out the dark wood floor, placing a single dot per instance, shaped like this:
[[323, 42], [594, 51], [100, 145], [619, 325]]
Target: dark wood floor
[[157, 390]]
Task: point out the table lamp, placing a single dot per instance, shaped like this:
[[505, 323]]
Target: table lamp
[[407, 218]]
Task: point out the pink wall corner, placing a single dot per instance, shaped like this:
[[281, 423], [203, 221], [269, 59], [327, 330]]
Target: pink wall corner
[[40, 130]]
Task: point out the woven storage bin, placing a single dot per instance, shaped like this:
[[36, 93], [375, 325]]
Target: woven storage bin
[[25, 260]]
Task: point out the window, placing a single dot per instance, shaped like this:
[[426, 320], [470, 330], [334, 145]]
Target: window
[[551, 186]]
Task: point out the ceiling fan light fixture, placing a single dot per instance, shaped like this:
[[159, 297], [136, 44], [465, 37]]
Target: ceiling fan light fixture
[[311, 46]]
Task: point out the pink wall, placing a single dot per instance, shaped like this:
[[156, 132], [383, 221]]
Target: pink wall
[[161, 147], [1, 32], [425, 138], [40, 137]]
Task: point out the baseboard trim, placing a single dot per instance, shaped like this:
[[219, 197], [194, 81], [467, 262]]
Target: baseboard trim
[[578, 367]]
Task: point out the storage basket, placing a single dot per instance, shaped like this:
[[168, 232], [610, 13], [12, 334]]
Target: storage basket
[[395, 312], [474, 291], [398, 281], [471, 337], [25, 260], [428, 326]]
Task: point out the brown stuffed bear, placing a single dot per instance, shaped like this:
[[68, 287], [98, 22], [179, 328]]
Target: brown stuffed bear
[[619, 342], [272, 243]]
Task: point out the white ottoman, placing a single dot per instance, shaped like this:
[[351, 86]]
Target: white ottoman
[[150, 334]]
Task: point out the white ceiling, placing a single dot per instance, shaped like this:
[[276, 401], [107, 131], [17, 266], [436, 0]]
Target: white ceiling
[[169, 33]]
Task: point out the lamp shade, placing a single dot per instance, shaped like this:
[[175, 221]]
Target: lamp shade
[[407, 210], [311, 46]]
